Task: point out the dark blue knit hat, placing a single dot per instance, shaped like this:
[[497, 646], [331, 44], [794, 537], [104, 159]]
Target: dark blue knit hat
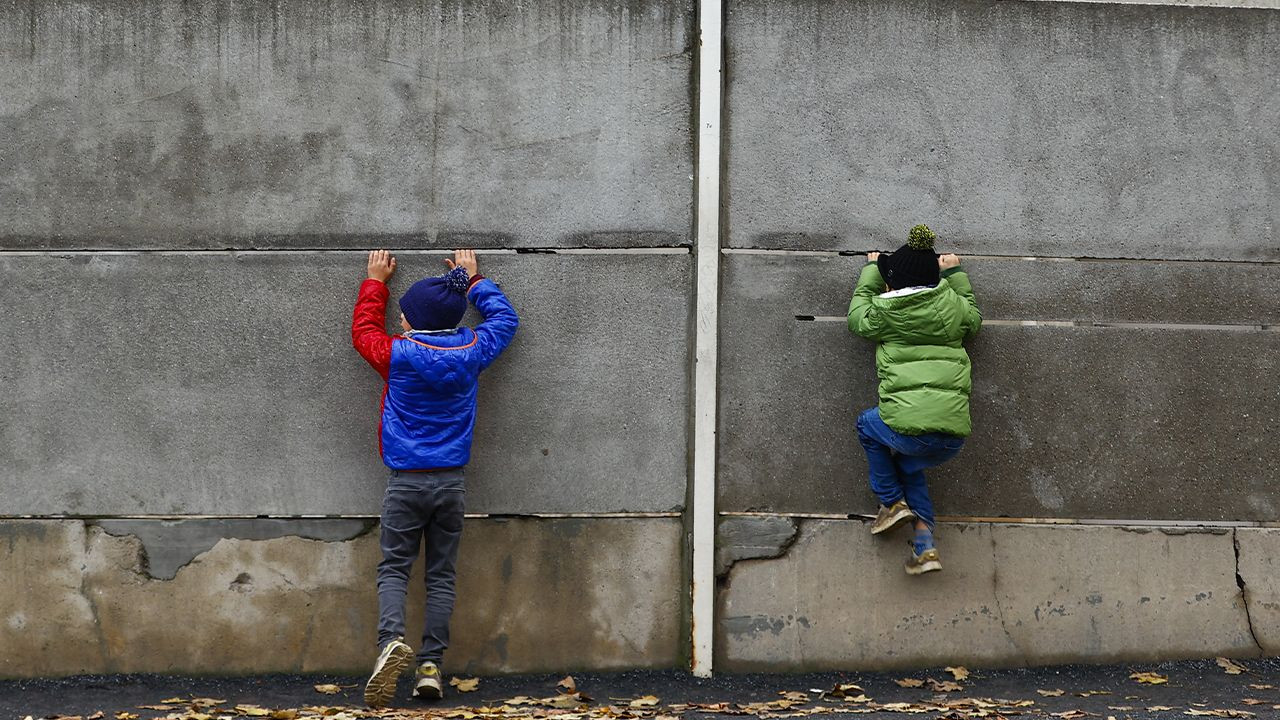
[[436, 303]]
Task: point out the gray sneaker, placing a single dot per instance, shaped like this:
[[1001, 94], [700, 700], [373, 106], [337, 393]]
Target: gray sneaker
[[927, 561], [427, 682], [392, 661], [892, 517]]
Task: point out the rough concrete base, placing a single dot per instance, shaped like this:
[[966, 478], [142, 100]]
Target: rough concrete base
[[1009, 595], [533, 596]]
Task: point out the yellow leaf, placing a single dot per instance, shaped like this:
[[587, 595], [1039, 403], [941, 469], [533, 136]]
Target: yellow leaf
[[465, 684], [959, 672], [1160, 708], [206, 702], [794, 696], [1254, 701], [910, 682], [1263, 687], [328, 689], [161, 708], [944, 686], [122, 715], [1052, 693], [1091, 693], [857, 699], [1231, 668], [96, 716], [178, 700], [567, 686], [252, 710], [1149, 678], [646, 701], [284, 714]]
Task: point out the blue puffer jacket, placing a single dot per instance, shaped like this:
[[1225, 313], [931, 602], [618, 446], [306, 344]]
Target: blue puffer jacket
[[429, 405]]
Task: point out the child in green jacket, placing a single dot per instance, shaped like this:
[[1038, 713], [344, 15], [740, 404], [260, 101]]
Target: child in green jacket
[[919, 308]]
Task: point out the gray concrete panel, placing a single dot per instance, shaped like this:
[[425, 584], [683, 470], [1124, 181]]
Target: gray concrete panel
[[1068, 422], [1021, 289], [533, 596], [1008, 595], [226, 384], [338, 124], [1078, 129]]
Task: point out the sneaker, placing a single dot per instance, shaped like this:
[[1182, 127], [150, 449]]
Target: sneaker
[[892, 517], [927, 561], [392, 661], [427, 683]]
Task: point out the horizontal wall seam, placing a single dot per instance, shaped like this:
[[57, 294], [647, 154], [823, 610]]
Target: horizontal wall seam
[[1027, 258], [473, 516], [1213, 4], [1092, 522], [666, 250], [1119, 325]]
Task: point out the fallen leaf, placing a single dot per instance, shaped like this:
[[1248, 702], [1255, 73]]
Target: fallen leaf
[[567, 686], [1230, 667], [843, 690], [178, 700], [161, 708], [465, 684], [252, 710], [1121, 708], [1254, 701], [646, 701], [1070, 714], [944, 686], [206, 702], [1160, 708], [1263, 687], [857, 699], [1220, 713], [1091, 693], [959, 672], [122, 715], [909, 682], [1052, 693], [794, 696], [284, 714], [1149, 678], [96, 716], [328, 689]]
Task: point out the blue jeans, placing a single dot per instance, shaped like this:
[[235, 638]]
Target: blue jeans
[[897, 462], [420, 506]]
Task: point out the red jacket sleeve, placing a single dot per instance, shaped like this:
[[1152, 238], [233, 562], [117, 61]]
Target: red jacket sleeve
[[369, 326]]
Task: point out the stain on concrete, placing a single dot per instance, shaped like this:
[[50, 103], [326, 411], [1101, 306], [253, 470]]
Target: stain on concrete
[[169, 545]]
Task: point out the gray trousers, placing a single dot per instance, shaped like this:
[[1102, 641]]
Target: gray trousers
[[420, 506]]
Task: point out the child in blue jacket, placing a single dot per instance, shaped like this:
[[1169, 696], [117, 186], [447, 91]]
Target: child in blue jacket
[[428, 414]]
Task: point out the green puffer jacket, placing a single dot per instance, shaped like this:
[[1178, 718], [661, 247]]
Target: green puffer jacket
[[921, 363]]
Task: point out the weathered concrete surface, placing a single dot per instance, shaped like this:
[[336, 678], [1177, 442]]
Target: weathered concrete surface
[[1258, 558], [1008, 595], [168, 545], [1020, 289], [333, 124], [751, 537], [1068, 422], [225, 384], [534, 596], [1011, 127]]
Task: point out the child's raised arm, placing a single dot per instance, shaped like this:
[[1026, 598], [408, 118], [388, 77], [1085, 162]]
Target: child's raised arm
[[369, 320], [958, 279], [864, 318], [500, 320]]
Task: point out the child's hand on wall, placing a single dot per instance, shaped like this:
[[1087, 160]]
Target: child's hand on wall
[[465, 259], [382, 265], [873, 256], [948, 261]]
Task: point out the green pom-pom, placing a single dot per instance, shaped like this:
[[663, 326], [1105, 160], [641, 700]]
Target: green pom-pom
[[921, 238]]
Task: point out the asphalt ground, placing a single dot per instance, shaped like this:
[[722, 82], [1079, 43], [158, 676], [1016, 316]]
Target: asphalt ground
[[1193, 689]]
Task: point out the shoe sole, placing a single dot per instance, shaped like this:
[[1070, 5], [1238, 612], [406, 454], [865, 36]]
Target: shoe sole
[[924, 567], [382, 684], [428, 692], [896, 522]]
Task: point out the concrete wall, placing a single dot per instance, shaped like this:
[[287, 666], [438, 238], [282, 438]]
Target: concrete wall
[[187, 192], [1112, 174]]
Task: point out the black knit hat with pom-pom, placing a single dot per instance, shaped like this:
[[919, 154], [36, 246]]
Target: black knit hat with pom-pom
[[913, 264]]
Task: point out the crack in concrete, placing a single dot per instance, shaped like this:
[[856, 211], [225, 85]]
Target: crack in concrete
[[87, 593], [995, 594], [1244, 593], [168, 546]]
